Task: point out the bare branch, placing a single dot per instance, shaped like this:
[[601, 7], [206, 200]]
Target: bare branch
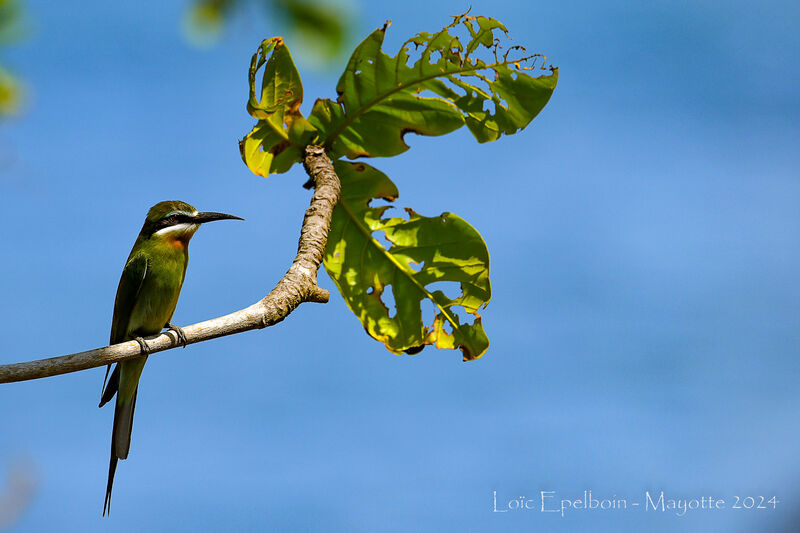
[[298, 285]]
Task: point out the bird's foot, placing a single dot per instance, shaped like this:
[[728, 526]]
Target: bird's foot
[[179, 332], [143, 346]]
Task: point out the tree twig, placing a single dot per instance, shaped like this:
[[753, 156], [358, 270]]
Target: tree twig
[[298, 285]]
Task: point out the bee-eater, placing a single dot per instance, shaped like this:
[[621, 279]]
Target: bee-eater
[[146, 298]]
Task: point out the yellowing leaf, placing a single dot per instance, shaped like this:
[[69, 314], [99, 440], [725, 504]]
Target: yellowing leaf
[[382, 97], [423, 251], [277, 140]]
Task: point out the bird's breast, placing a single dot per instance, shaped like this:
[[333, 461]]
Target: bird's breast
[[158, 296]]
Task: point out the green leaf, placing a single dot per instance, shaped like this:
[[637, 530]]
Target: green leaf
[[382, 97], [277, 140], [423, 250]]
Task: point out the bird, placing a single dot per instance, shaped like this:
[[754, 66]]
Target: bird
[[146, 298]]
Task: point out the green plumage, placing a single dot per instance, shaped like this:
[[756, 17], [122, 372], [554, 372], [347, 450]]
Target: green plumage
[[146, 298]]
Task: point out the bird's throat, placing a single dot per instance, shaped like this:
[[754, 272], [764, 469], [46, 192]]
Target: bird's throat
[[179, 242]]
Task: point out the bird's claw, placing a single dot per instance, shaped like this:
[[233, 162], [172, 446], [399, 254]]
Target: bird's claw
[[143, 345], [180, 333]]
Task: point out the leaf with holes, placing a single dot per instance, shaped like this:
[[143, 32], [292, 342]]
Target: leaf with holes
[[381, 98], [278, 138], [422, 252]]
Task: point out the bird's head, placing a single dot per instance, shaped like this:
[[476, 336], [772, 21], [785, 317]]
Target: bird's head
[[175, 222]]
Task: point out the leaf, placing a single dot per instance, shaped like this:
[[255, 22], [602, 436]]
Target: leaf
[[277, 140], [381, 98], [446, 247]]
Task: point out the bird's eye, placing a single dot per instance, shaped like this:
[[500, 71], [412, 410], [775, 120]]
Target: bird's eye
[[172, 220]]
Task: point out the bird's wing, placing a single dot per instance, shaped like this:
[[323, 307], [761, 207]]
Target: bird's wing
[[130, 283]]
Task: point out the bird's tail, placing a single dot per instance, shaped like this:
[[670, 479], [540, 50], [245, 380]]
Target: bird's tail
[[120, 440], [110, 386]]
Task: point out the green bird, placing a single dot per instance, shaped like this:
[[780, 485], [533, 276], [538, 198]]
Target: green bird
[[146, 298]]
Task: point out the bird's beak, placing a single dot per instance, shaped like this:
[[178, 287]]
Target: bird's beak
[[209, 216]]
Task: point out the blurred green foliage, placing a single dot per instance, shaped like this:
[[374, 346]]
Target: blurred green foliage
[[320, 25], [10, 32]]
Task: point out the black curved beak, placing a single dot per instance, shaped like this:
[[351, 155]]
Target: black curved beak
[[210, 216]]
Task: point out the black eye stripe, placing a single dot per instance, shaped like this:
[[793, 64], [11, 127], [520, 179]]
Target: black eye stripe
[[173, 220]]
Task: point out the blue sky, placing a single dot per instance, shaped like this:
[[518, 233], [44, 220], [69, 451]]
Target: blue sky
[[644, 322]]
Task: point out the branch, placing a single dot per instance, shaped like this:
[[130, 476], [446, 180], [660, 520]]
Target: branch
[[298, 285]]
